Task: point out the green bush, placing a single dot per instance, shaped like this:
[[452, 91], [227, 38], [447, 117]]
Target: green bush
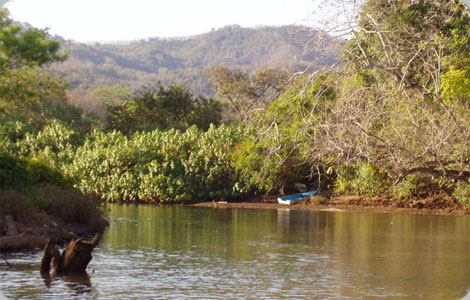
[[22, 174], [54, 135], [363, 178], [54, 143], [462, 193], [158, 166], [12, 132], [408, 188]]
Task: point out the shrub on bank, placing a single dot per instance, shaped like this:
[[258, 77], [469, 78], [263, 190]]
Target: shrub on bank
[[159, 166], [462, 193], [363, 178], [408, 187], [53, 144], [71, 205], [16, 204], [24, 174], [30, 191]]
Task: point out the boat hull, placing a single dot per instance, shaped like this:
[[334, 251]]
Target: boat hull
[[291, 199]]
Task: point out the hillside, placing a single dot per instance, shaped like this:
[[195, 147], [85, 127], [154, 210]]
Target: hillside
[[184, 60]]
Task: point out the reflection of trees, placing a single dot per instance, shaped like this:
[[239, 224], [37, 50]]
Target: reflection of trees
[[400, 252], [364, 254], [173, 229]]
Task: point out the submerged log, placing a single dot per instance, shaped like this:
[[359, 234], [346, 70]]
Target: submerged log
[[74, 259]]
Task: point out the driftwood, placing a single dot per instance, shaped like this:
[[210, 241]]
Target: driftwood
[[74, 259], [16, 236], [24, 240]]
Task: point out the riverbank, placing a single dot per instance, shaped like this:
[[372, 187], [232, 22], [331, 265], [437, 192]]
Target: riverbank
[[28, 220], [17, 235], [20, 236], [431, 206], [38, 202]]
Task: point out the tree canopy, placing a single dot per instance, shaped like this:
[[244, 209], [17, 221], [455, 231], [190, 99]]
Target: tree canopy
[[247, 93], [393, 116], [157, 106], [25, 47], [408, 98], [27, 89]]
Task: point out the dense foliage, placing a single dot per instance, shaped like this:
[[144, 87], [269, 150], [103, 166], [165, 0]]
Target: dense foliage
[[33, 187], [159, 107], [155, 166], [159, 166], [21, 47], [391, 121]]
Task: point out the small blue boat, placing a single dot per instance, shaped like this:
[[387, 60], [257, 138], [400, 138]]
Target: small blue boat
[[295, 197]]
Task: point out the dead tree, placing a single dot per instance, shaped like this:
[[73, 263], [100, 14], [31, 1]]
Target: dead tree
[[74, 259]]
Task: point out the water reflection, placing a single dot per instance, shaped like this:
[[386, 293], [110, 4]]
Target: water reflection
[[78, 283], [186, 252]]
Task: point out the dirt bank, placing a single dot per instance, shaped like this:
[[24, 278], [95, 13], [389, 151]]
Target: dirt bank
[[433, 206], [20, 236]]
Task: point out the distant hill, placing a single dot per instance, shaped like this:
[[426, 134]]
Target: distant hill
[[101, 73], [184, 60]]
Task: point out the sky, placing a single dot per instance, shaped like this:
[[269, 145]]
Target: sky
[[119, 20]]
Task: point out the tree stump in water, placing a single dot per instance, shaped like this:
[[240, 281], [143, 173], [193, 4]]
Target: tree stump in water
[[74, 259]]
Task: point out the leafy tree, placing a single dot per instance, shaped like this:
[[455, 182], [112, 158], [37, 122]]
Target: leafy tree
[[398, 108], [27, 91], [94, 102], [407, 102], [156, 106], [246, 93], [280, 155], [25, 47], [24, 90]]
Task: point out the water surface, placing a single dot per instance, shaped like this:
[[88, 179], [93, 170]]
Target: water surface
[[175, 252]]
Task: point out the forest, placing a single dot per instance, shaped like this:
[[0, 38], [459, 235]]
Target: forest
[[390, 120]]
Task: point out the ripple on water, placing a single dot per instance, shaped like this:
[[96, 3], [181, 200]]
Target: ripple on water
[[187, 253]]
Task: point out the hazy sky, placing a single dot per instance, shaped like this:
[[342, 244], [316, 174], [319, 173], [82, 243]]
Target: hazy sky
[[108, 20], [119, 20]]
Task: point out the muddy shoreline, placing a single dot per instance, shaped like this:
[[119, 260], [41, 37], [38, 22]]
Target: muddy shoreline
[[352, 204]]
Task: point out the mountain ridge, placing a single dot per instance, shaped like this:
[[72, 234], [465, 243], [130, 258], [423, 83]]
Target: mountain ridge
[[185, 60]]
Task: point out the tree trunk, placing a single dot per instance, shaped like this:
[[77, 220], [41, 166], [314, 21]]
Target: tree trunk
[[74, 259]]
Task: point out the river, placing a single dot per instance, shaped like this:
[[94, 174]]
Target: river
[[179, 252]]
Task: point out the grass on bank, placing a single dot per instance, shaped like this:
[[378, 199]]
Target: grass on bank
[[34, 194]]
